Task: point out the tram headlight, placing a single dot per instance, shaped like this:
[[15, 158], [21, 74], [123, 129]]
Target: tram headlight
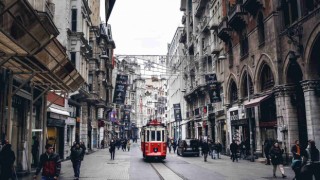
[[155, 149]]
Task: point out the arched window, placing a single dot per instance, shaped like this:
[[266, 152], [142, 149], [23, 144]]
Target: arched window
[[261, 28], [233, 92], [266, 79], [245, 85]]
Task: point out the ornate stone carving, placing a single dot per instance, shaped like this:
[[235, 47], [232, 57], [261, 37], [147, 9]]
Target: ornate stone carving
[[310, 85]]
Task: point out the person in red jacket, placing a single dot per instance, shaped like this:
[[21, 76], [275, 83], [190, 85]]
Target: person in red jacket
[[50, 164]]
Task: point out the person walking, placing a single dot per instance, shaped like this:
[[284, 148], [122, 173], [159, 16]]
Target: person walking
[[277, 159], [174, 146], [76, 158], [266, 148], [84, 150], [205, 150], [311, 162], [296, 159], [213, 150], [102, 144], [50, 163], [219, 149], [234, 149], [35, 150], [128, 145], [7, 158], [112, 149]]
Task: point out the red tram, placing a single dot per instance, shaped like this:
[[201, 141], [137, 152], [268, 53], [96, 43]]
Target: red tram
[[153, 140]]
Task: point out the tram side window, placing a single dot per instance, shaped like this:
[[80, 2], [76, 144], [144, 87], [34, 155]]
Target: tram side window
[[148, 136], [158, 135], [163, 135], [153, 135]]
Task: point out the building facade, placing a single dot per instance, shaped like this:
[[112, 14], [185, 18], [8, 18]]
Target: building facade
[[265, 67]]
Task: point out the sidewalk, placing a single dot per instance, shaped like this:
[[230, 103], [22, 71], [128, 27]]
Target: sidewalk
[[29, 176]]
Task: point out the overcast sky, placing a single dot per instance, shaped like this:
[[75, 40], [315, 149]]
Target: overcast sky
[[144, 27]]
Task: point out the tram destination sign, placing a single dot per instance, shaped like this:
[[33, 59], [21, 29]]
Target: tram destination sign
[[120, 89]]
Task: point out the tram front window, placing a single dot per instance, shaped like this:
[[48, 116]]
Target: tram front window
[[153, 135], [148, 136], [158, 135]]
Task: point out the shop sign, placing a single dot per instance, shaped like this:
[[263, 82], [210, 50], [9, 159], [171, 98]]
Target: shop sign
[[234, 115]]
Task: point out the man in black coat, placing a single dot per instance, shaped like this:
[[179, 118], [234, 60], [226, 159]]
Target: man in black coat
[[234, 149], [7, 159], [266, 148], [112, 149], [205, 150]]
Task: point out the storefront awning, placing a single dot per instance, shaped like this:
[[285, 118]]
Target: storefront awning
[[255, 102], [29, 48], [58, 111]]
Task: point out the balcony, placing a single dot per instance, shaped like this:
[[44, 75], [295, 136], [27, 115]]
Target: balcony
[[183, 20], [201, 7], [213, 24], [204, 26], [237, 17], [183, 37], [214, 46], [252, 6], [224, 31], [50, 8]]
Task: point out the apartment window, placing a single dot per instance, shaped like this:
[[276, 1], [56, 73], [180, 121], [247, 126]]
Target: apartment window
[[233, 92], [230, 53], [267, 80], [244, 45], [74, 20], [290, 11], [261, 28], [73, 58], [245, 85]]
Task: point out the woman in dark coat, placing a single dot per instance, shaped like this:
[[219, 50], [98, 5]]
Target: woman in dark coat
[[277, 159], [205, 150], [112, 149], [7, 159]]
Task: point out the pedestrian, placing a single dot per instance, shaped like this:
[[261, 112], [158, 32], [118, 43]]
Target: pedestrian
[[213, 150], [128, 145], [112, 149], [277, 159], [266, 148], [234, 149], [76, 158], [35, 150], [84, 150], [174, 145], [50, 164], [102, 144], [243, 152], [205, 150], [311, 162], [7, 158], [219, 149], [296, 159]]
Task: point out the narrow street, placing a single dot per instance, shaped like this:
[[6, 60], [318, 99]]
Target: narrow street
[[130, 165]]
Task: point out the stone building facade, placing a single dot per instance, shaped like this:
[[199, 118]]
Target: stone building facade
[[265, 64]]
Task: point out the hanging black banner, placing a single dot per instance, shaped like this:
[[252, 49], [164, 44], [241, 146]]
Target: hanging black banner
[[213, 87], [120, 89], [126, 113], [177, 112]]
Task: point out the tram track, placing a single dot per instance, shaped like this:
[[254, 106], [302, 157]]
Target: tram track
[[165, 172]]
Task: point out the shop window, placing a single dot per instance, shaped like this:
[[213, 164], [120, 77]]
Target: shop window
[[261, 28], [267, 80]]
